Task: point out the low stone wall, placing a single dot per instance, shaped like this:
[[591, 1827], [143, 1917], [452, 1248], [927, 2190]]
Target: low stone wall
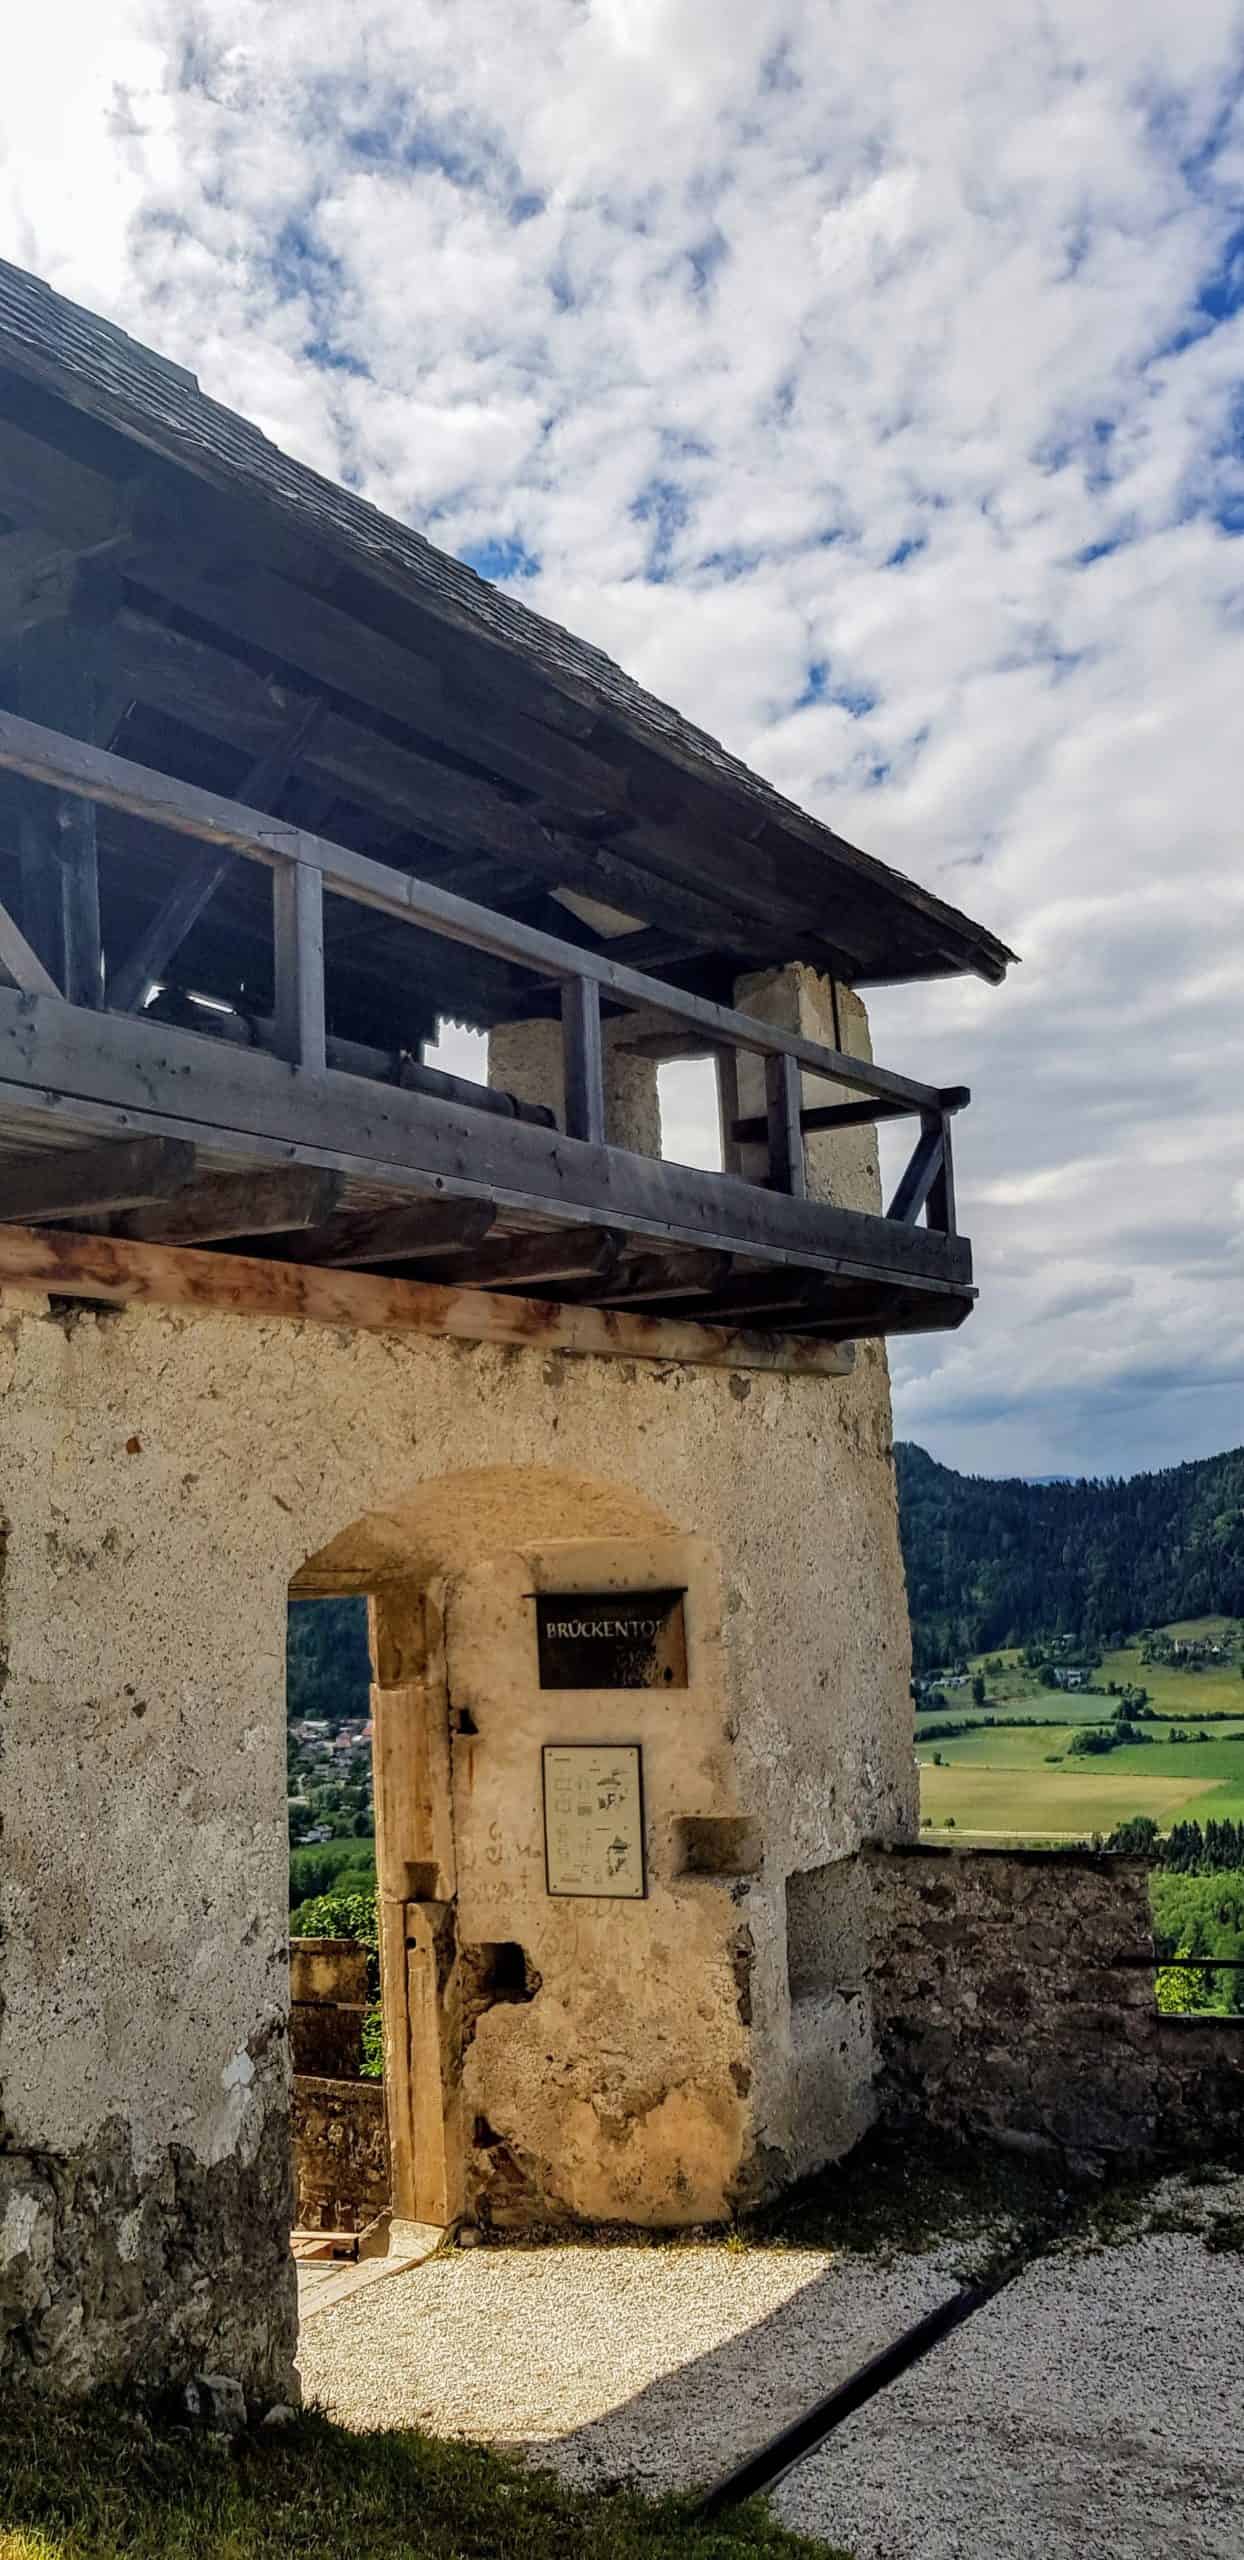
[[1013, 1997], [340, 2139], [341, 2153], [327, 2005]]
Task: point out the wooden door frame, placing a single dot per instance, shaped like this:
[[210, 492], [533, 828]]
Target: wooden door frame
[[416, 1887]]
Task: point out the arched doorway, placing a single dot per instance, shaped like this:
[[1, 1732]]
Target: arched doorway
[[538, 2064]]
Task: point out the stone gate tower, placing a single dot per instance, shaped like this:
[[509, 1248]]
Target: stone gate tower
[[604, 1439]]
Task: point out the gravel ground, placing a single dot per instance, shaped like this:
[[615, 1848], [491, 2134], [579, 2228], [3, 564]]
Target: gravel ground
[[1094, 2411], [658, 2365]]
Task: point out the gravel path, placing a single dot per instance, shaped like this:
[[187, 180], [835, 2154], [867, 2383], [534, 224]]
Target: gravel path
[[649, 2364], [1095, 2411]]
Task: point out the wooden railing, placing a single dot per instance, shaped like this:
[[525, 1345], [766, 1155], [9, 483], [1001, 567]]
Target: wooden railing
[[305, 866]]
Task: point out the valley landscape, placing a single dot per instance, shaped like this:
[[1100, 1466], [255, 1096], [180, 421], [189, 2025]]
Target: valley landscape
[[995, 1778], [1091, 1722]]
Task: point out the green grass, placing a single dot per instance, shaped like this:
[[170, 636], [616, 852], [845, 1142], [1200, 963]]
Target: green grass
[[1186, 1695], [988, 1748], [96, 2483], [1220, 1757], [1049, 1706], [1056, 1804], [1188, 1630]]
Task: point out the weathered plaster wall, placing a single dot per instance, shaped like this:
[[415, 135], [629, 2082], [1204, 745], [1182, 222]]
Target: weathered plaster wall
[[618, 2088], [1015, 1999], [163, 1477], [818, 2078]]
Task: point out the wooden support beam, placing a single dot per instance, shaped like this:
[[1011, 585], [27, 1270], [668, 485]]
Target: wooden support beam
[[57, 682], [583, 1062], [783, 1094], [130, 984], [940, 1206], [40, 485], [21, 963], [727, 1065], [869, 1316], [736, 1298], [927, 1160], [114, 1272], [346, 656], [42, 582], [40, 882], [829, 1116], [221, 1205], [247, 1103], [299, 1030], [29, 562], [463, 812], [78, 857], [689, 1274], [185, 809], [536, 1262], [124, 1173], [421, 1229]]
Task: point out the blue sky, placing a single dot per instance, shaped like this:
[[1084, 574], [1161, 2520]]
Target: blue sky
[[867, 378]]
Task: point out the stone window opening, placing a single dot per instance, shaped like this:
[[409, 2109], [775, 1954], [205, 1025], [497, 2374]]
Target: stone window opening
[[824, 1932], [718, 1845]]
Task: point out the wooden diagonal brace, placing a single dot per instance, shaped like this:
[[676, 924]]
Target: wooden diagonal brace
[[21, 963], [922, 1172], [128, 984]]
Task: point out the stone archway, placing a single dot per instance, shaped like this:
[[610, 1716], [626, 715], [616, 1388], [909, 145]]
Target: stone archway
[[406, 1561]]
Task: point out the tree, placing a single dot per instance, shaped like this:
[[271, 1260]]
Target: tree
[[990, 1562], [1183, 1990], [1135, 1839], [978, 1690]]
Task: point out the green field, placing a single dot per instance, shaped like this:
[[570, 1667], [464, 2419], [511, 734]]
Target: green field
[[1000, 1784], [1053, 1804]]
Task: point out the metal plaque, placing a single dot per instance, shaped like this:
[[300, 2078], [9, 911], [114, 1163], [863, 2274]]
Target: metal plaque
[[611, 1639], [594, 1819]]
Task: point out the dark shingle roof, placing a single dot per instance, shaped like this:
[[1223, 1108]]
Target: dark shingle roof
[[102, 370]]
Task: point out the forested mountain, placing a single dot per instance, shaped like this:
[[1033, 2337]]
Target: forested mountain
[[328, 1666], [998, 1561]]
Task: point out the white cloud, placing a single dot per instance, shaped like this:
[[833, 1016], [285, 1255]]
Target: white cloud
[[810, 351]]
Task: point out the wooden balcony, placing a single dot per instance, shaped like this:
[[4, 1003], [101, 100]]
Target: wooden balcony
[[263, 1133]]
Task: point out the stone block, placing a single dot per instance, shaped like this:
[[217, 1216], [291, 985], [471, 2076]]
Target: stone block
[[332, 1969], [216, 2401]]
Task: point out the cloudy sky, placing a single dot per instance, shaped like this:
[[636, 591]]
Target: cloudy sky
[[866, 376]]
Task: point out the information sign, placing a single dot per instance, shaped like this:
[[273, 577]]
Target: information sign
[[594, 1819]]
